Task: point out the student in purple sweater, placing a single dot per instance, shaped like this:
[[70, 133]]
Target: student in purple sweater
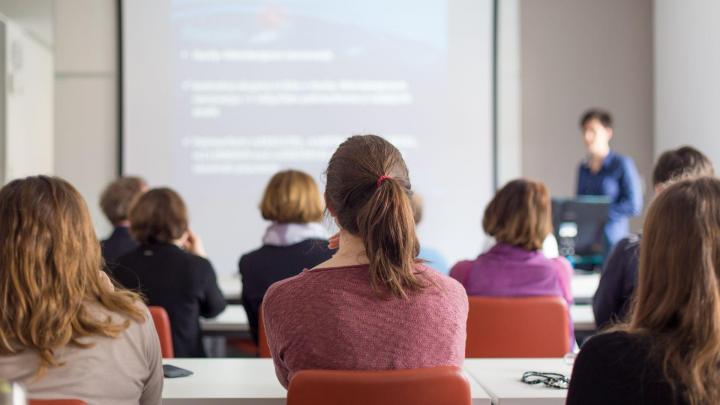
[[372, 306], [519, 218]]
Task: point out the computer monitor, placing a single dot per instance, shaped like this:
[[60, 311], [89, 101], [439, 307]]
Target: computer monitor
[[578, 224]]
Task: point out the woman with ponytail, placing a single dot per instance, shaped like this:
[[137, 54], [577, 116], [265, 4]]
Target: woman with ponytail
[[373, 305]]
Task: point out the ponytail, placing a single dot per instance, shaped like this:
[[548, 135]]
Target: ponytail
[[387, 229], [368, 188]]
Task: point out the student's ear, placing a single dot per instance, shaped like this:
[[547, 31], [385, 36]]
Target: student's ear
[[610, 133]]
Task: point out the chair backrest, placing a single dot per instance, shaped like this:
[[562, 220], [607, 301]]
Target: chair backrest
[[425, 386], [517, 327], [162, 325], [263, 347], [55, 402]]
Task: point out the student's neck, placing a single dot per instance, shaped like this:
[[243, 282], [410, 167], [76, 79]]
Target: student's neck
[[351, 252]]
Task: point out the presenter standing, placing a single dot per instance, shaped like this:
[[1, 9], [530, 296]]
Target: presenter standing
[[605, 173]]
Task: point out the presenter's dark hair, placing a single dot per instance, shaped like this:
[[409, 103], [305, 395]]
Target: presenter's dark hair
[[159, 215], [685, 161], [597, 114], [376, 209]]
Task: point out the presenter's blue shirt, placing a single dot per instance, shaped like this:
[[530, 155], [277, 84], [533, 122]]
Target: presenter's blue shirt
[[617, 179]]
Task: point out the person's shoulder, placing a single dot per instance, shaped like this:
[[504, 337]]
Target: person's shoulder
[[289, 283], [252, 256], [461, 266], [449, 284], [627, 246], [614, 347]]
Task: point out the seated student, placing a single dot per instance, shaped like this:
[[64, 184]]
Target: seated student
[[294, 241], [519, 218], [431, 256], [669, 350], [66, 331], [115, 203], [169, 268], [372, 306], [619, 276]]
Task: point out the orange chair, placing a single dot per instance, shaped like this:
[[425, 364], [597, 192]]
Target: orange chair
[[162, 325], [425, 386], [55, 402], [263, 347], [517, 327]]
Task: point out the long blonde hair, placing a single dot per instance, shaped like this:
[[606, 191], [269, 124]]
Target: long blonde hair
[[50, 267], [677, 303]]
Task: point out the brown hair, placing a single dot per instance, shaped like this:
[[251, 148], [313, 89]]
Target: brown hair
[[677, 303], [292, 196], [118, 196], [519, 214], [159, 215], [50, 267], [681, 162], [376, 209]]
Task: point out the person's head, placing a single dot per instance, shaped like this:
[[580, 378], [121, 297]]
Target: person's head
[[368, 194], [292, 196], [685, 161], [519, 214], [50, 267], [158, 216], [597, 129], [677, 302], [417, 206], [117, 197]]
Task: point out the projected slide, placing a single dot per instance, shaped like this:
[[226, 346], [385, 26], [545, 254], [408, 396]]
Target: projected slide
[[220, 95]]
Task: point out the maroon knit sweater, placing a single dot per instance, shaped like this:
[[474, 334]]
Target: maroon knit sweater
[[330, 318]]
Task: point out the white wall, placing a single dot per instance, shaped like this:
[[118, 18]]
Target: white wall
[[687, 75], [86, 119], [577, 54]]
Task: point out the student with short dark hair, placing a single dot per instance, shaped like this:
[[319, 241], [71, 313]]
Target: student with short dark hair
[[115, 203], [293, 242], [668, 351], [606, 173], [373, 305], [619, 276], [519, 218], [169, 268]]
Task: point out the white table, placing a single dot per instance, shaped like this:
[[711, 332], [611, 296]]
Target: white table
[[584, 286], [232, 319], [230, 286], [242, 382], [501, 379], [583, 318]]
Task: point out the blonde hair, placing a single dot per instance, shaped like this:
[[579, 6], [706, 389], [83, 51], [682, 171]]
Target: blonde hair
[[519, 214], [677, 303], [292, 196], [50, 267]]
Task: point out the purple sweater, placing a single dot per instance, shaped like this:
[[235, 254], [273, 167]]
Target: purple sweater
[[330, 318], [511, 271]]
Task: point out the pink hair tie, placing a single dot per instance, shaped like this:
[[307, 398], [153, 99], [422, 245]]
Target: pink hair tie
[[381, 178]]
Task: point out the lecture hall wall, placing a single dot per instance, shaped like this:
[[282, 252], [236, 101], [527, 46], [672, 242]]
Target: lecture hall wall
[[653, 63]]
